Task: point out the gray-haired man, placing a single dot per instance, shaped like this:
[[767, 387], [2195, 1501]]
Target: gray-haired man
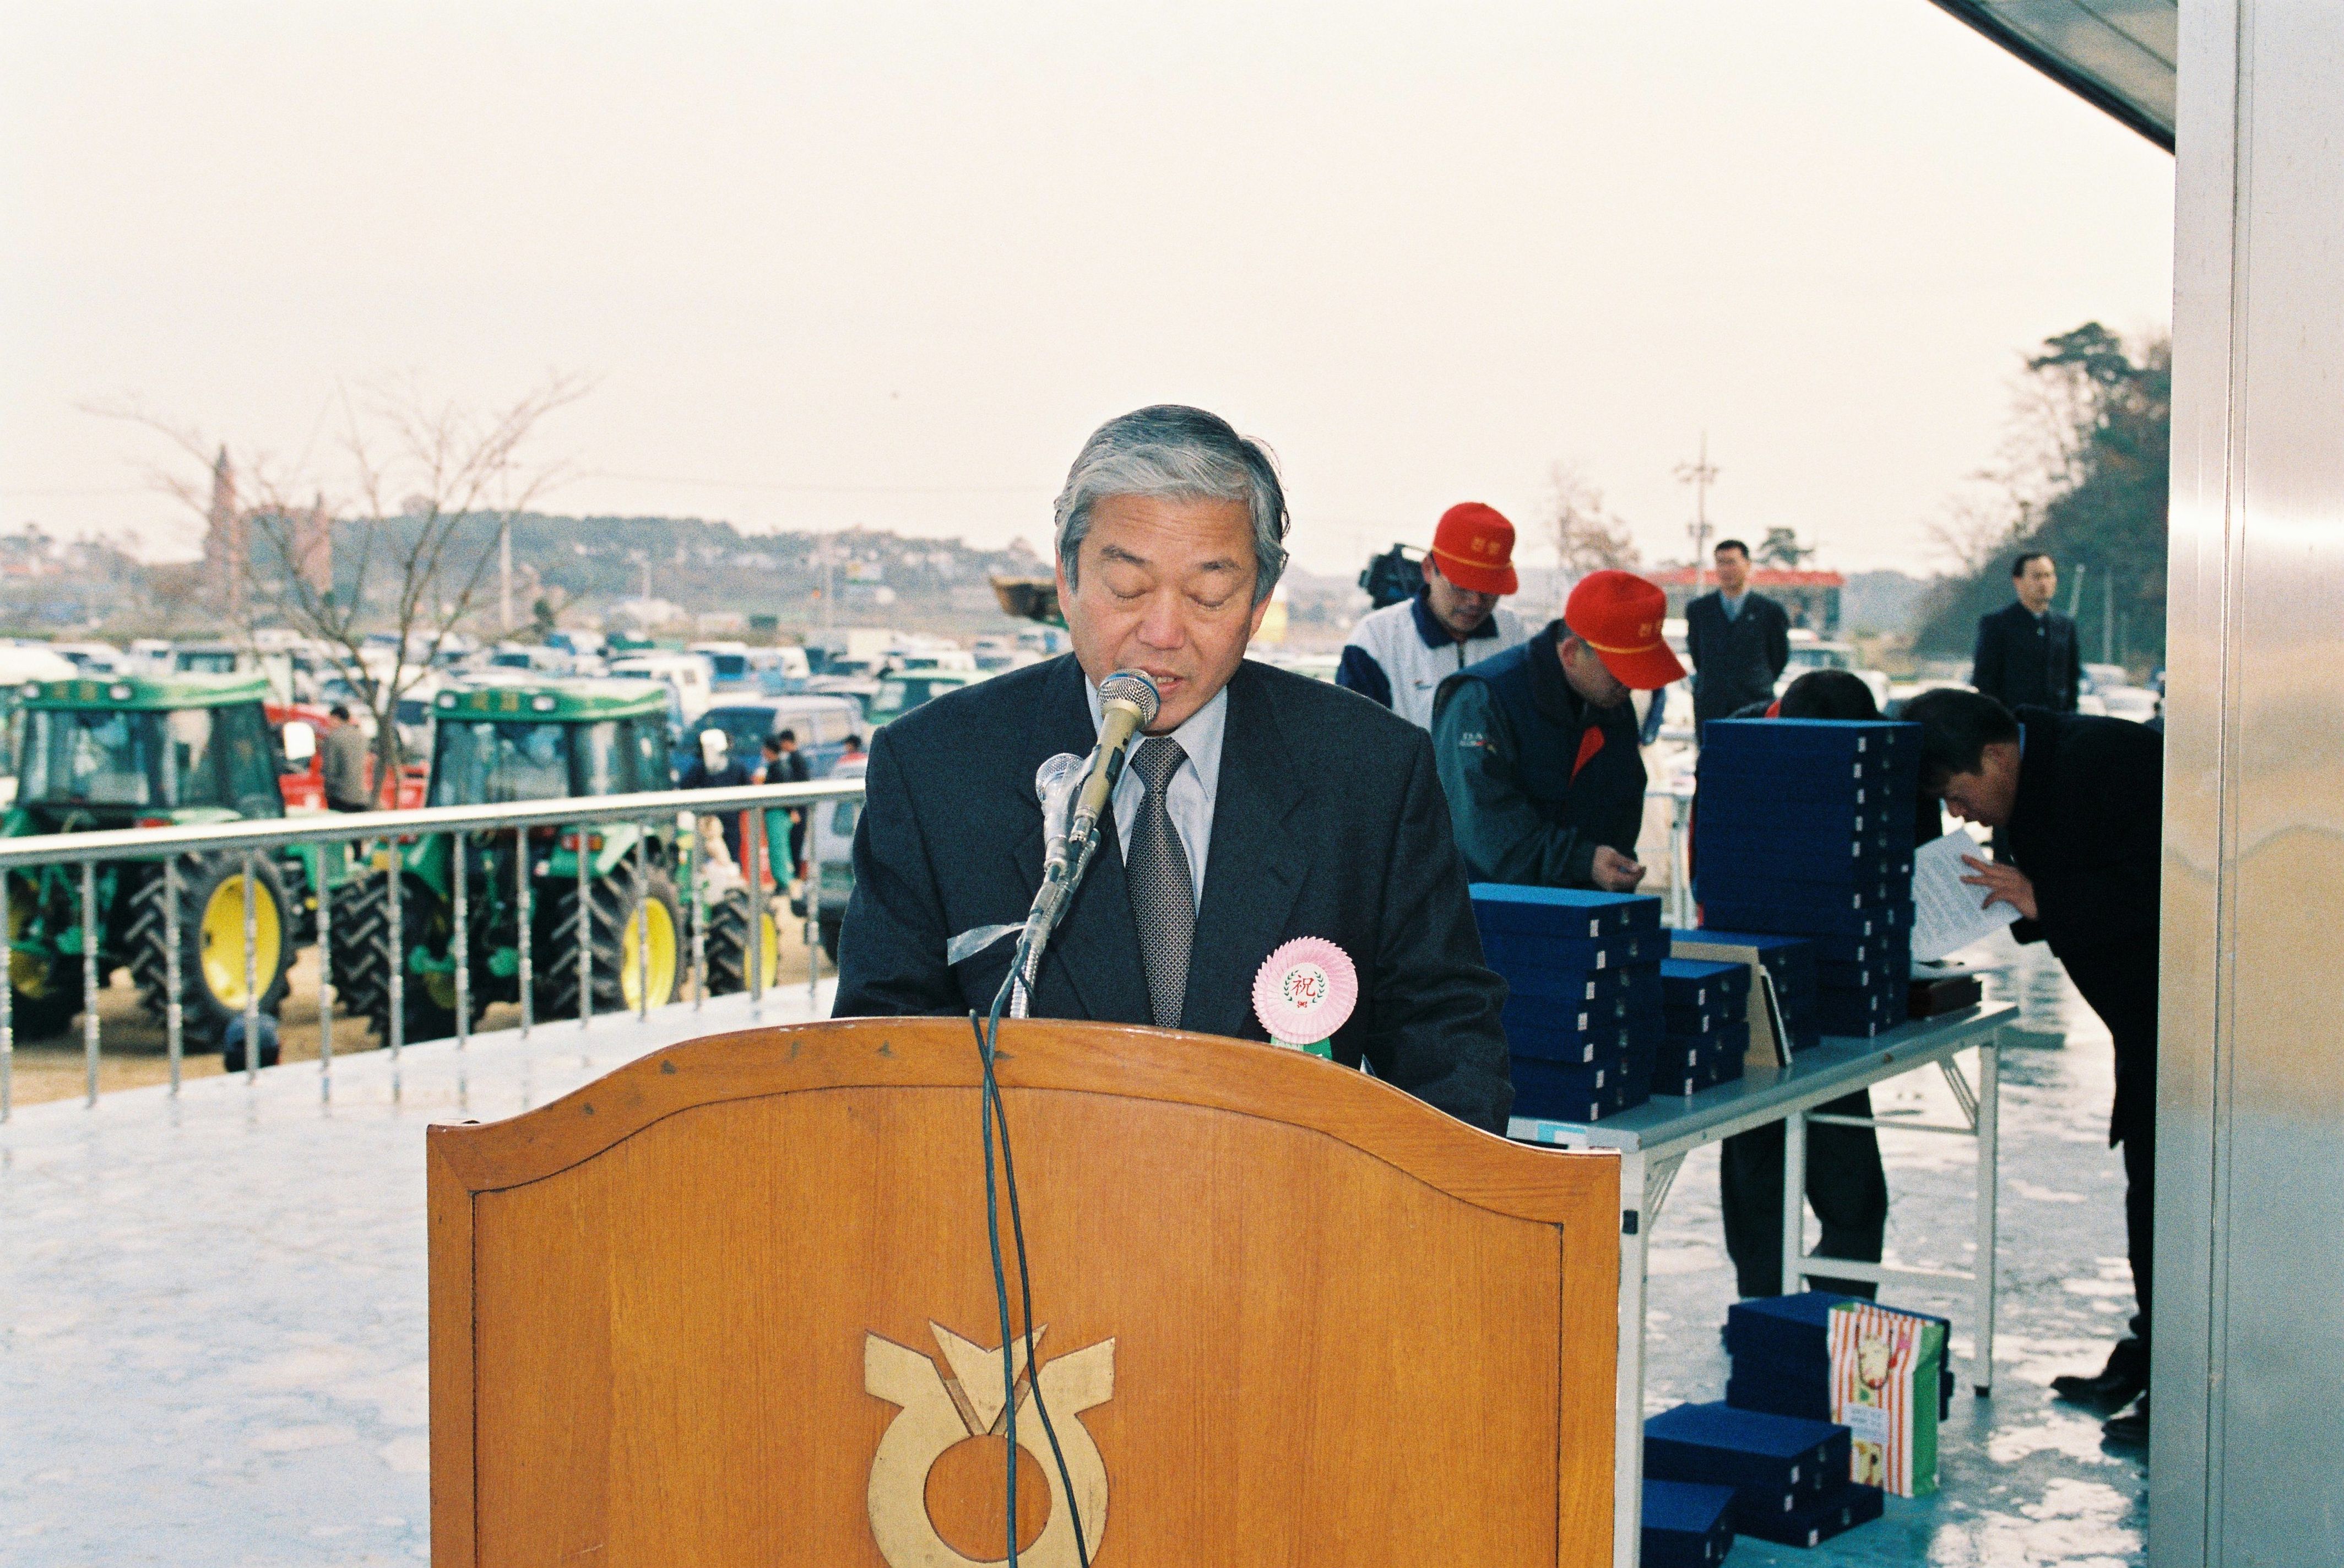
[[1262, 805]]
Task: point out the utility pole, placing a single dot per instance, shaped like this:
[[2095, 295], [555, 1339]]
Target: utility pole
[[1700, 474], [504, 576]]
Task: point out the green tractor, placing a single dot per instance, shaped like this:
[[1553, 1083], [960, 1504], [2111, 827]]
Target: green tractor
[[499, 745], [128, 752]]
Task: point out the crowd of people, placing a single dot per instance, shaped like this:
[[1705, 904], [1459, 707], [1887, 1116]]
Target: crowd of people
[[1260, 806]]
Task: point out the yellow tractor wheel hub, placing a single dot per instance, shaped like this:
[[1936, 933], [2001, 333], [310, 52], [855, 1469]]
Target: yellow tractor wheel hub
[[221, 935], [662, 955]]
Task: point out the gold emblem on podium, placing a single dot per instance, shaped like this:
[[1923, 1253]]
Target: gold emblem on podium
[[937, 1413]]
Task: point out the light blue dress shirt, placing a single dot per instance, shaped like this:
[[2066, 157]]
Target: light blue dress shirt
[[1189, 797]]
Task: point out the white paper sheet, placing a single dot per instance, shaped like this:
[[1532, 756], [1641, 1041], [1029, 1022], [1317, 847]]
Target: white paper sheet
[[1947, 914]]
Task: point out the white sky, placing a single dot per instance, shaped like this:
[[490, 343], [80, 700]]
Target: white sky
[[887, 264]]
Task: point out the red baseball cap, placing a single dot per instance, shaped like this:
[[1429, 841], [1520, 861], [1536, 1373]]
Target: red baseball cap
[[1619, 616], [1474, 546]]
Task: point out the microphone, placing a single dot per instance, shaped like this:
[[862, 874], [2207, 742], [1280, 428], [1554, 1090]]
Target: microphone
[[1127, 704]]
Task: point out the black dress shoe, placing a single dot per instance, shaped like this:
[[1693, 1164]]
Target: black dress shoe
[[2116, 1385], [2129, 1430]]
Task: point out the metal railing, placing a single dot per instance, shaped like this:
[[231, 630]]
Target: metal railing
[[681, 809]]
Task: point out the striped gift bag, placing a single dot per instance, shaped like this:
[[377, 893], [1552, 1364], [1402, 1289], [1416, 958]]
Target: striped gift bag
[[1886, 1366]]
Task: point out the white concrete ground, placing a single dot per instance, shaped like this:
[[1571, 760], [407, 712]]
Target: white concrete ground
[[212, 1346], [213, 1337]]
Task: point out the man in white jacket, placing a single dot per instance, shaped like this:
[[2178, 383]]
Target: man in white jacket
[[1399, 655]]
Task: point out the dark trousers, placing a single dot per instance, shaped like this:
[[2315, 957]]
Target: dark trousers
[[2140, 1217], [1846, 1187]]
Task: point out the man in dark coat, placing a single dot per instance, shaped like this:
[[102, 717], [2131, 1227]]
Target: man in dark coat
[[1537, 747], [1740, 641], [2027, 655], [1261, 806], [2080, 803]]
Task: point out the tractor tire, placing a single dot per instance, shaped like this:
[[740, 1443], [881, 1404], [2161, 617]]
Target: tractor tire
[[364, 953], [728, 945], [211, 944], [613, 919], [43, 987], [44, 994]]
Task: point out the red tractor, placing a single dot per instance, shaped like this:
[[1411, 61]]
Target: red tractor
[[305, 786]]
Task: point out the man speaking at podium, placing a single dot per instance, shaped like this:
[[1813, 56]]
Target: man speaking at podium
[[1258, 806]]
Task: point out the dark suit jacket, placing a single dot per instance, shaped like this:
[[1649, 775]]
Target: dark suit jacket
[[1736, 661], [2020, 664], [2087, 829], [1329, 821]]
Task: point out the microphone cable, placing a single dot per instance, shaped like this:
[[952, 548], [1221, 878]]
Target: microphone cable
[[1129, 692], [994, 1117]]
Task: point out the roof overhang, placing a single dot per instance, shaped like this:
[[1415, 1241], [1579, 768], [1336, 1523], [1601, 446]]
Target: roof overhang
[[2117, 55]]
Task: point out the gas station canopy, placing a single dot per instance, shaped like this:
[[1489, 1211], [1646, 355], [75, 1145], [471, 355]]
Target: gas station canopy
[[2116, 54]]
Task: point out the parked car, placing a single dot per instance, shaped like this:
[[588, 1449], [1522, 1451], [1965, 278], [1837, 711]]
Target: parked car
[[1809, 652], [821, 723], [899, 694], [90, 658], [830, 846]]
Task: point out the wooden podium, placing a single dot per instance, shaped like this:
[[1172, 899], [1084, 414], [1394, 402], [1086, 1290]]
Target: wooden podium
[[733, 1304]]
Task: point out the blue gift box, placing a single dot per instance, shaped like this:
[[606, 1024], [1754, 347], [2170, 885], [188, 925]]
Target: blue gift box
[[1773, 1462], [1687, 1524], [1738, 816], [1867, 974], [1509, 951], [1882, 949], [1801, 922], [1596, 1081], [1815, 1521], [1782, 1340], [1544, 1090], [1848, 864], [1788, 899], [1875, 738], [1698, 981], [1561, 911], [1562, 1031]]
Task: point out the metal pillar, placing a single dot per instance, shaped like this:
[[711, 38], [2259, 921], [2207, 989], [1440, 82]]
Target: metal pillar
[[2249, 1392]]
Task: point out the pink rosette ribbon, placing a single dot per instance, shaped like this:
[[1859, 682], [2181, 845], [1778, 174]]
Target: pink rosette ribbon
[[1304, 992]]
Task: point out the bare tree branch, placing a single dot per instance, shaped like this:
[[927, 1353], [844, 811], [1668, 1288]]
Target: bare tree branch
[[385, 613]]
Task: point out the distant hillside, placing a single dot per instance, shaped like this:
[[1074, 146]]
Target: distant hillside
[[702, 566]]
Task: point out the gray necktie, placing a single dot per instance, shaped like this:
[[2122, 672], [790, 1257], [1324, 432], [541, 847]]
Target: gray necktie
[[1163, 897]]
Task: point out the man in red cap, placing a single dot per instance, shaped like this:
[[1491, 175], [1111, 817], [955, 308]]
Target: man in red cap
[[1399, 655], [1537, 747]]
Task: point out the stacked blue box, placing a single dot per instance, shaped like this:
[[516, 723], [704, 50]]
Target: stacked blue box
[[1777, 1465], [1583, 1015], [1686, 1525], [1789, 965], [1705, 1014], [1803, 827], [1845, 1505], [1780, 1350]]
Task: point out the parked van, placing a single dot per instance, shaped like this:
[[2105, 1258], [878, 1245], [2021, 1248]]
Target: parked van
[[687, 673], [821, 723]]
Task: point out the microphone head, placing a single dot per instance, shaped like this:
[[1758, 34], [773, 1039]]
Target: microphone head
[[1133, 687]]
